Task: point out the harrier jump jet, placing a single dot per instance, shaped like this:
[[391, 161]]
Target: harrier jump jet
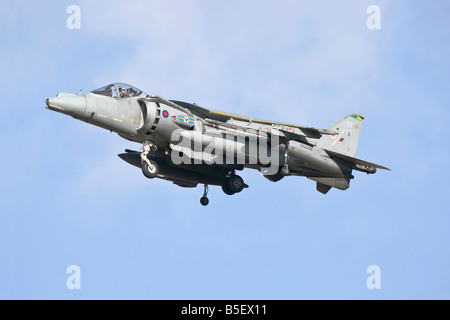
[[190, 145]]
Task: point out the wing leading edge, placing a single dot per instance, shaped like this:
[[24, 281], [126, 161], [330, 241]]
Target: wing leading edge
[[225, 116]]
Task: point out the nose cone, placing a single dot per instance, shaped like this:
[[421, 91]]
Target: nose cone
[[70, 104]]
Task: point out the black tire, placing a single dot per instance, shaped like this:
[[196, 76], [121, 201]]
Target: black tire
[[235, 184], [225, 188], [150, 172], [204, 201]]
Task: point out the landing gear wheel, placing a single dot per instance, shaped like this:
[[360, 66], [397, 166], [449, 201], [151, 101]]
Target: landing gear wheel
[[204, 201], [226, 190], [235, 184], [150, 169], [284, 170]]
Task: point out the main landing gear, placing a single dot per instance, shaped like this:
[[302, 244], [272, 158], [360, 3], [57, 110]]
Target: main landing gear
[[230, 185], [150, 168], [233, 184]]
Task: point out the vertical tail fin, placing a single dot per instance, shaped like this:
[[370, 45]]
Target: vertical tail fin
[[347, 138]]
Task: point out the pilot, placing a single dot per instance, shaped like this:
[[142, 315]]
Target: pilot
[[122, 92]]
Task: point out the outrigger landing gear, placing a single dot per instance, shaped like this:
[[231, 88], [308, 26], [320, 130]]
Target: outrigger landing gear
[[150, 168], [204, 200], [284, 170]]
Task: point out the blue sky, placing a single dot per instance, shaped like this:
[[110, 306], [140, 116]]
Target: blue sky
[[67, 199]]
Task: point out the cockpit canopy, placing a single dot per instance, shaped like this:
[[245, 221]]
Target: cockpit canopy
[[118, 90]]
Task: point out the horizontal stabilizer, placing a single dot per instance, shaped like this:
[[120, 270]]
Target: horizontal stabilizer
[[356, 163]]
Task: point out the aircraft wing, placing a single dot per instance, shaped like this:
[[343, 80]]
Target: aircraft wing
[[290, 130]]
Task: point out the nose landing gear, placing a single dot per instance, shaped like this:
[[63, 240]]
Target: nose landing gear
[[150, 168]]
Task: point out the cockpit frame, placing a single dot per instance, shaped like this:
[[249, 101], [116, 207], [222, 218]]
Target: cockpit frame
[[118, 91]]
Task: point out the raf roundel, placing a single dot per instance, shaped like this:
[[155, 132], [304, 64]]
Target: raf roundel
[[165, 114]]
